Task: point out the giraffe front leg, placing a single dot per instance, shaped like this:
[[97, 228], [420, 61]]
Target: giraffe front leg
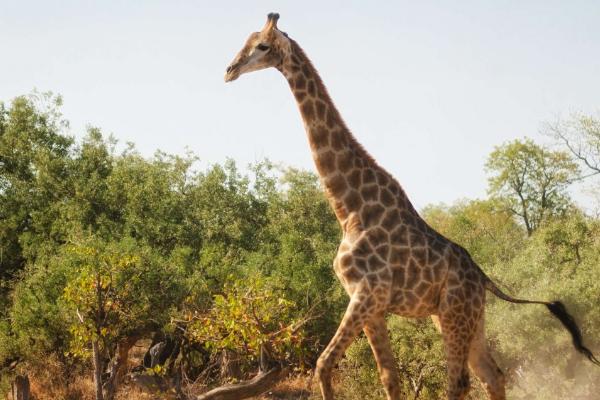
[[379, 339], [349, 328]]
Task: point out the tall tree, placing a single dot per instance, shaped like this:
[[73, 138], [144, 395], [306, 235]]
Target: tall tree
[[33, 165], [580, 133], [484, 227], [531, 179]]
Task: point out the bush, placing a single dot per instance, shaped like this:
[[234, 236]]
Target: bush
[[418, 350]]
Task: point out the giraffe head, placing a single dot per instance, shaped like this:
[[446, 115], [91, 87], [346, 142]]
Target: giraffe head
[[263, 49]]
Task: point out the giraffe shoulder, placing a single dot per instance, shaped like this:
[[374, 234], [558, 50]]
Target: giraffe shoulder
[[352, 227]]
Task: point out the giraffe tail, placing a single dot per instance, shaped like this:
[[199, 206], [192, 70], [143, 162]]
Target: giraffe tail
[[559, 311]]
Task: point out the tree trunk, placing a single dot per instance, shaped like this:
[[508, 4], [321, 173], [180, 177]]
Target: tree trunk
[[243, 390], [118, 367], [20, 388], [97, 370], [230, 366]]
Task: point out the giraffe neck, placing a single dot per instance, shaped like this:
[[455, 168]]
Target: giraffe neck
[[352, 179]]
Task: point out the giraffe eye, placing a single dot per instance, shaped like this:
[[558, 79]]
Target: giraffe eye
[[262, 47]]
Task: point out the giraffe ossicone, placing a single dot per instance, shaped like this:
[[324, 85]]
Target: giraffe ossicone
[[389, 260]]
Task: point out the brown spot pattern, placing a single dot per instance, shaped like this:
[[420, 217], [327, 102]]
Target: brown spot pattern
[[308, 111], [326, 162]]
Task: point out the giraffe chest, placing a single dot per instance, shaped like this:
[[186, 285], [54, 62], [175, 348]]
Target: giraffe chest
[[363, 264]]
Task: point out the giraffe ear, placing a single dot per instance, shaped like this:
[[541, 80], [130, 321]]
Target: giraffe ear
[[271, 24]]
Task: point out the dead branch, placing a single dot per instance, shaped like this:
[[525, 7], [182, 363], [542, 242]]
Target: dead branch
[[243, 390]]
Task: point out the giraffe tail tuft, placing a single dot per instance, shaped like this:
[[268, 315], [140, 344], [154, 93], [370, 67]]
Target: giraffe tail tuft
[[559, 311]]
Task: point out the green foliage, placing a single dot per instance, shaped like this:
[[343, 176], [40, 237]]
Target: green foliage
[[484, 227], [417, 347], [300, 243], [37, 322], [248, 317], [531, 179], [116, 244], [117, 290], [92, 290], [531, 343], [33, 157]]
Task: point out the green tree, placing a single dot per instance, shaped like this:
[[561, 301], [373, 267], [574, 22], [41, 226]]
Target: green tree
[[299, 244], [559, 261], [531, 179], [34, 153], [152, 199], [33, 165], [484, 227], [253, 320], [116, 291]]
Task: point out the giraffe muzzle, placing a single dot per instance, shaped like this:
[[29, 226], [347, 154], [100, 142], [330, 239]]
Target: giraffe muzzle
[[232, 73]]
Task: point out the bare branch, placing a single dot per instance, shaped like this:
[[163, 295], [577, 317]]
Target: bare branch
[[243, 390]]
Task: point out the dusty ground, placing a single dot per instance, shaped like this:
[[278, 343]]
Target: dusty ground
[[296, 388]]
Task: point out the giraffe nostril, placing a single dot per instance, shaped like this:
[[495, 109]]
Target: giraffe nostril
[[228, 69]]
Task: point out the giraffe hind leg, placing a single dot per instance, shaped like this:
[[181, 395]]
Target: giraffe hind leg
[[459, 322], [484, 366], [456, 345]]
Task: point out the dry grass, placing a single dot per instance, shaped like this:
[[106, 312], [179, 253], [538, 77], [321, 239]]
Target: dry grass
[[130, 392], [51, 383], [52, 387], [297, 387]]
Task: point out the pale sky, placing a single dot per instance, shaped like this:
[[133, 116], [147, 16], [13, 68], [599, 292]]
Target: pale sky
[[428, 87]]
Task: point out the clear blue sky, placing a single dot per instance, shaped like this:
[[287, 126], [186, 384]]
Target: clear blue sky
[[428, 87]]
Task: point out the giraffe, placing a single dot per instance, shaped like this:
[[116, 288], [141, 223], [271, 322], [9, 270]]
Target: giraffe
[[389, 259]]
